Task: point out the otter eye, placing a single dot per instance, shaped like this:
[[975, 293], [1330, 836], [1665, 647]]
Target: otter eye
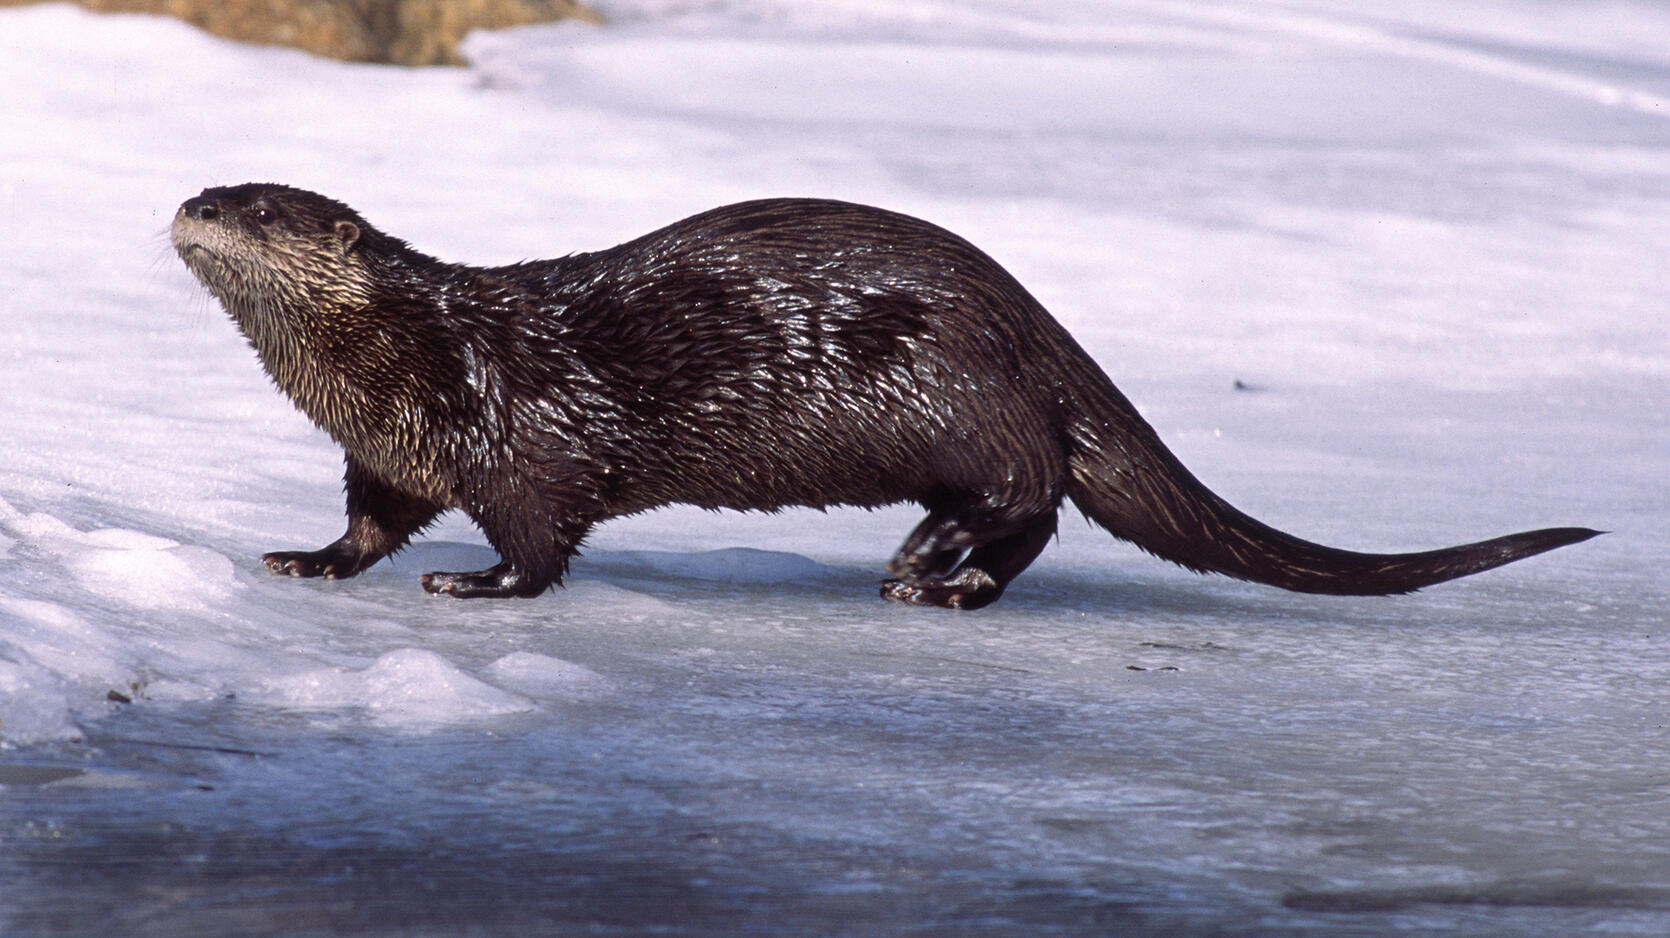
[[265, 215]]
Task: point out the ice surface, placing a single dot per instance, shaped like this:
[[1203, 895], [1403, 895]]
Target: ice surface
[[1426, 242]]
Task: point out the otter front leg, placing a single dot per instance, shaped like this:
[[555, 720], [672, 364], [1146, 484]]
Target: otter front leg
[[504, 580], [501, 581], [380, 521]]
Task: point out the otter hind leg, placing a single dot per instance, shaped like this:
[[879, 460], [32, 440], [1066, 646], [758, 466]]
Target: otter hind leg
[[933, 547], [926, 575]]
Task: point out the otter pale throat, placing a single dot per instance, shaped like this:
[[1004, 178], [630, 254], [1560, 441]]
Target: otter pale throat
[[763, 355]]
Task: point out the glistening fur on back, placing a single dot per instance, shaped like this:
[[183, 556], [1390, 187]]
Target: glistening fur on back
[[783, 352]]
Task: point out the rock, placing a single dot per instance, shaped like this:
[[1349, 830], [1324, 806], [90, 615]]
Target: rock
[[400, 32]]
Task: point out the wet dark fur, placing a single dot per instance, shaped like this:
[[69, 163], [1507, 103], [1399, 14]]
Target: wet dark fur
[[757, 356]]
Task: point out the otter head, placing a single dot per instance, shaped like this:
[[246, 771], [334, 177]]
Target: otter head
[[268, 251]]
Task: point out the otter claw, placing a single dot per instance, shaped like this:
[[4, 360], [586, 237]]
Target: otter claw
[[327, 563], [287, 566]]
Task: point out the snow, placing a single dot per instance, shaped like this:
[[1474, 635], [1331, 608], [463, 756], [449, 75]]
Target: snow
[[1430, 239]]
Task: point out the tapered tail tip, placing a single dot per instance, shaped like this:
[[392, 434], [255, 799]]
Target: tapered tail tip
[[1563, 536]]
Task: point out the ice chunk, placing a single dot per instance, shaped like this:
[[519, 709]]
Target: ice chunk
[[155, 577], [543, 676], [410, 687], [34, 706]]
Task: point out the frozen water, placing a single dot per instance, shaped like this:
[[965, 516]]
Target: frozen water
[[1428, 241]]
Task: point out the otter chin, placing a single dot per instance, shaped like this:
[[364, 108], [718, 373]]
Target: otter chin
[[758, 356]]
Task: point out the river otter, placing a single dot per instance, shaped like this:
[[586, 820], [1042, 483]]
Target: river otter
[[762, 355]]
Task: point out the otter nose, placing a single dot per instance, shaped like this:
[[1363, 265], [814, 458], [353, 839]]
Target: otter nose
[[201, 208]]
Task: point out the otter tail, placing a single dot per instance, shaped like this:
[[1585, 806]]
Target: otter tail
[[1123, 478]]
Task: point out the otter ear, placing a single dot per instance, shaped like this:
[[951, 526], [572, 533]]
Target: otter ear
[[347, 235]]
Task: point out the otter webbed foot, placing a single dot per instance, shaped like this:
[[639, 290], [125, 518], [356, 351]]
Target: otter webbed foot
[[967, 588], [924, 576], [502, 581], [336, 561]]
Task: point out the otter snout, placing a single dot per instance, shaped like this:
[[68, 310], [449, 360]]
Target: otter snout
[[199, 208], [189, 222], [203, 239], [204, 225]]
